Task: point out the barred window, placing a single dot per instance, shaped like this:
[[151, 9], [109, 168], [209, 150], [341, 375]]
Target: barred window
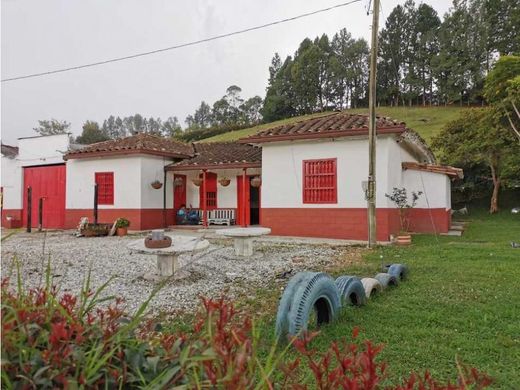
[[319, 181]]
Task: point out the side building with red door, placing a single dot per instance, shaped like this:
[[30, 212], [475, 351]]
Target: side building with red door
[[38, 168]]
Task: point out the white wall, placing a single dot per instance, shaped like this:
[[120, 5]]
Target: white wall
[[152, 168], [12, 182], [81, 180], [435, 187], [282, 171], [42, 150], [226, 196]]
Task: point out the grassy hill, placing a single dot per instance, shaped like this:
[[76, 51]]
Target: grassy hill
[[427, 121]]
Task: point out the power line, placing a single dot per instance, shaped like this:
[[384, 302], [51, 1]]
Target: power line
[[193, 43]]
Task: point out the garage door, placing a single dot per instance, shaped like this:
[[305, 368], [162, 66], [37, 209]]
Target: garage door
[[47, 182]]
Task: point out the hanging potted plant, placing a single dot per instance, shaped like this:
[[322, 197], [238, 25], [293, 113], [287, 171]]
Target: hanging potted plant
[[122, 226], [256, 181], [399, 197], [224, 181], [156, 184], [197, 181]]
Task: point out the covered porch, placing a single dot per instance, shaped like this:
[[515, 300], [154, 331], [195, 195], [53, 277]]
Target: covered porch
[[219, 186]]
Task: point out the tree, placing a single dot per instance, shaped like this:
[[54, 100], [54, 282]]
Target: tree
[[91, 134], [52, 127], [171, 127], [477, 138], [502, 91], [250, 110]]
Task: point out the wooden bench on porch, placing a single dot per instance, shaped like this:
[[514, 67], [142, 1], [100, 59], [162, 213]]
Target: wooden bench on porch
[[219, 217]]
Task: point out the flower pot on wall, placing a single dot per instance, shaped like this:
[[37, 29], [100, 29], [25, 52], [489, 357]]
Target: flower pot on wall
[[224, 181], [122, 231], [256, 181], [156, 184]]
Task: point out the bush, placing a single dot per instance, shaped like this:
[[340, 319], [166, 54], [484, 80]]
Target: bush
[[72, 341], [122, 223]]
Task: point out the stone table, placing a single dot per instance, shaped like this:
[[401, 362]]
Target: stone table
[[167, 258], [244, 238]]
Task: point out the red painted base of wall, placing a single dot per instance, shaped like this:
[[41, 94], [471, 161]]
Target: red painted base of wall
[[349, 224], [16, 220], [140, 219]]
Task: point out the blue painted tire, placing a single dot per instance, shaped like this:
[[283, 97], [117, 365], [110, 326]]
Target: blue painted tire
[[285, 304], [400, 271], [387, 280], [315, 291], [351, 290], [371, 286]]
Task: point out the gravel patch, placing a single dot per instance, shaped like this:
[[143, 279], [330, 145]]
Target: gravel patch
[[210, 273]]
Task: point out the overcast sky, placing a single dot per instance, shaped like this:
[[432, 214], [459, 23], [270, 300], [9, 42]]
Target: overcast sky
[[45, 35]]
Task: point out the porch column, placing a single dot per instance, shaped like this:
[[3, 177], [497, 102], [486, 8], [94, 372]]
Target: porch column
[[204, 200], [244, 198]]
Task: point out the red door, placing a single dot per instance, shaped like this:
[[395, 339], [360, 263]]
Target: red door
[[47, 182], [243, 202], [179, 191]]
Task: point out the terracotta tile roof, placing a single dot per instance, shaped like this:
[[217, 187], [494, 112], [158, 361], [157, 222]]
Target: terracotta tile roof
[[9, 151], [338, 124], [141, 143], [452, 172], [210, 155]]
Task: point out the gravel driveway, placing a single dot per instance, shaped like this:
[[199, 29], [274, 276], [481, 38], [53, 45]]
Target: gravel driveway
[[211, 273]]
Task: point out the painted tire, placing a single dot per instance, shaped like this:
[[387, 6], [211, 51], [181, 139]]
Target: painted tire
[[351, 290], [371, 286], [387, 280], [400, 271], [285, 304], [316, 291]]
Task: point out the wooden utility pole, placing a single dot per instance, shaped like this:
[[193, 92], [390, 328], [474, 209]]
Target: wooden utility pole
[[371, 191]]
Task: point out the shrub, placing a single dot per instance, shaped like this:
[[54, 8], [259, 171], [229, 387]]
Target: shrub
[[122, 223], [84, 341]]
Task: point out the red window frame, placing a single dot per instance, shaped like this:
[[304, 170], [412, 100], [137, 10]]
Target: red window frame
[[105, 182], [319, 181]]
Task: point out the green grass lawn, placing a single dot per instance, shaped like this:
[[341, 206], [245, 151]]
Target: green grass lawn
[[462, 301], [428, 121]]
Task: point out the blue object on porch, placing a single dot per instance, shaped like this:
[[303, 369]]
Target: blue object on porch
[[193, 217]]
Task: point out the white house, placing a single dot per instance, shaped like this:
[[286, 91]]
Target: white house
[[302, 179], [313, 173]]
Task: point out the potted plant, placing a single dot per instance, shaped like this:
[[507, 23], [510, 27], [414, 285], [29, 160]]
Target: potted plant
[[399, 197], [224, 181], [156, 184], [122, 226], [256, 181]]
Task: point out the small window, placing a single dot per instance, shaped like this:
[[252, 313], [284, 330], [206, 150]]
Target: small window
[[105, 182], [319, 181]]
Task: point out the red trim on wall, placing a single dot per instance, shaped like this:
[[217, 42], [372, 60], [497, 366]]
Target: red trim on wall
[[16, 221], [349, 224], [140, 219]]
